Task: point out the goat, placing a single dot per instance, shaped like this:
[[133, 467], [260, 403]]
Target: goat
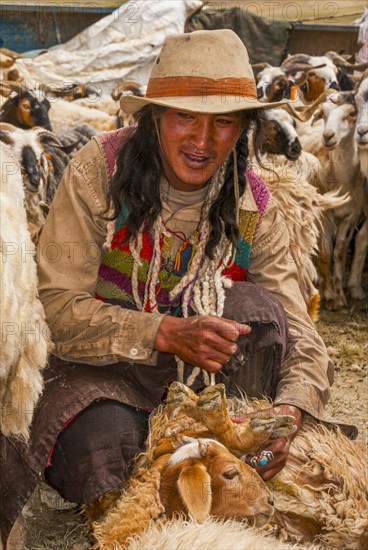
[[323, 469], [42, 157], [273, 84], [26, 108], [29, 108], [70, 92], [315, 74], [24, 334], [361, 128], [361, 138], [281, 136], [293, 177], [338, 138], [29, 153], [123, 89], [277, 83]]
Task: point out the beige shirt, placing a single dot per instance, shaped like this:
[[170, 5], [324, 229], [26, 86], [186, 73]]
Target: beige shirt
[[87, 330]]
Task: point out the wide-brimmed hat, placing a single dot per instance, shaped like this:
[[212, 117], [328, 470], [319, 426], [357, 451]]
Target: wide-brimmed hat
[[201, 71]]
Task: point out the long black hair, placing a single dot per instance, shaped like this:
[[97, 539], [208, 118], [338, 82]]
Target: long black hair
[[139, 170]]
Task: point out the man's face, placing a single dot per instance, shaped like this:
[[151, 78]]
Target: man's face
[[195, 145]]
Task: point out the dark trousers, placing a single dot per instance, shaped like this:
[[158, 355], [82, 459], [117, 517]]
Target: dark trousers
[[96, 449]]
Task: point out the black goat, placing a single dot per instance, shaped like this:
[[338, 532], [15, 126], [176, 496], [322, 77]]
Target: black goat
[[26, 109]]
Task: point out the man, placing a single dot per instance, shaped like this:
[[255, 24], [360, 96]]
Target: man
[[164, 258]]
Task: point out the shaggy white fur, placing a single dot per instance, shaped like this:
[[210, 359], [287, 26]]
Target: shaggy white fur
[[212, 534], [295, 188], [24, 333], [67, 114]]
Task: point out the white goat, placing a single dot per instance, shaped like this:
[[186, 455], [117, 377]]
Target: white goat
[[293, 177], [361, 137], [338, 138], [24, 334], [272, 83], [29, 153]]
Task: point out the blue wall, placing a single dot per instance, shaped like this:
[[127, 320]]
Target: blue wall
[[24, 27]]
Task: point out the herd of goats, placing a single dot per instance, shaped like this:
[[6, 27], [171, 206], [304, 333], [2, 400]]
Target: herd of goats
[[314, 158]]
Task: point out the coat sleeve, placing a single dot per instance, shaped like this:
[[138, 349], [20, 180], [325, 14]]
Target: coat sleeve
[[307, 372], [70, 250]]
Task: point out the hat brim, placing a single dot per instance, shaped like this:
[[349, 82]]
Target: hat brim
[[130, 104]]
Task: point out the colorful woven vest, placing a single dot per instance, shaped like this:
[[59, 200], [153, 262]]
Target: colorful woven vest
[[114, 276]]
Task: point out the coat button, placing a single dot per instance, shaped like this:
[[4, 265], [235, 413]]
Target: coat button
[[134, 352]]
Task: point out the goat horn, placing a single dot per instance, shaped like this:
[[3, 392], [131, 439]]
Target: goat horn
[[14, 86], [308, 111], [5, 91], [342, 61], [359, 66], [7, 127], [260, 66], [302, 67], [48, 136], [57, 89], [10, 53], [303, 77]]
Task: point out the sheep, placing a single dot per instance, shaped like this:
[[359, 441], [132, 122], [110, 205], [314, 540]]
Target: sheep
[[26, 108], [211, 534], [338, 137], [293, 177], [321, 492], [192, 475], [66, 114], [25, 338]]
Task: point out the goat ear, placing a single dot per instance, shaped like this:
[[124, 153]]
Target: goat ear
[[194, 486]]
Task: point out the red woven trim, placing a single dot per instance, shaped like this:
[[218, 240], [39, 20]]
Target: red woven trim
[[181, 86]]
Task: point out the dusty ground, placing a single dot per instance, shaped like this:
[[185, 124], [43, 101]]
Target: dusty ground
[[346, 335]]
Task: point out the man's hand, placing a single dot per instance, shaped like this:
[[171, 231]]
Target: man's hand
[[279, 447], [204, 341]]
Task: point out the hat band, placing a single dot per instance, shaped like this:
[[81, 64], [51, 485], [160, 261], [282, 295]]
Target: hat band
[[181, 86]]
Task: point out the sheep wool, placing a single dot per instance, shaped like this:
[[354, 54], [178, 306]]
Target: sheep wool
[[214, 534], [24, 333]]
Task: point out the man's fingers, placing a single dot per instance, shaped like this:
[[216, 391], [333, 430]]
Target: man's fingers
[[231, 330], [228, 329]]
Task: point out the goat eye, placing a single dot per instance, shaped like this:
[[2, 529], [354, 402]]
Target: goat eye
[[231, 474]]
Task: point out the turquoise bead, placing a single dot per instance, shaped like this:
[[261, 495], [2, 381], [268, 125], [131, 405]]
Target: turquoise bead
[[263, 462]]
